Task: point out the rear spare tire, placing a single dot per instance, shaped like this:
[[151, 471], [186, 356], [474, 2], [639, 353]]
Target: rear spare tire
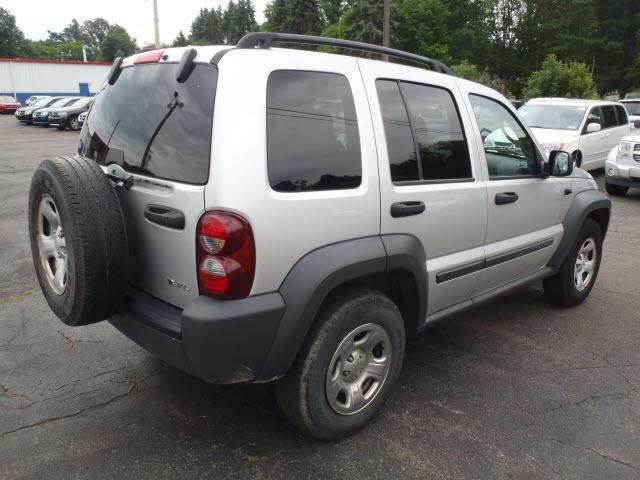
[[78, 240]]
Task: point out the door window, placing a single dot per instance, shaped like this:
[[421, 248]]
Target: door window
[[509, 151], [312, 132], [609, 119], [424, 119]]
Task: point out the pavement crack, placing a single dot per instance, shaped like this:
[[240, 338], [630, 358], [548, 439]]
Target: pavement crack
[[600, 454]]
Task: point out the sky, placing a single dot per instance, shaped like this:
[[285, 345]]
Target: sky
[[35, 17]]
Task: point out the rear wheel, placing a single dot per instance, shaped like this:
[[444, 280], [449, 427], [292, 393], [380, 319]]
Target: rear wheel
[[615, 190], [347, 366], [575, 278], [78, 240]]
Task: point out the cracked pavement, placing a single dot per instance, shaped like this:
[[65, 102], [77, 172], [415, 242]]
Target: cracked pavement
[[517, 389]]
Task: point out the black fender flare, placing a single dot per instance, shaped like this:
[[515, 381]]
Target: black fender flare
[[582, 205], [315, 275]]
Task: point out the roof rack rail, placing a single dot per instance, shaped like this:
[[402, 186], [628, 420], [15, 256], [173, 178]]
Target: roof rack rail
[[265, 39]]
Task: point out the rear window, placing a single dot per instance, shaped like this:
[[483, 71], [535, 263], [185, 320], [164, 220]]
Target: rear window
[[622, 115], [148, 123], [312, 132], [632, 107]]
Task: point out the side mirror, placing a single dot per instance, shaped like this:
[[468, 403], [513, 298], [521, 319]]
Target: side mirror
[[594, 127], [636, 124], [559, 164]]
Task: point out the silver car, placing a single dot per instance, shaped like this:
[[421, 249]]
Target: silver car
[[282, 215]]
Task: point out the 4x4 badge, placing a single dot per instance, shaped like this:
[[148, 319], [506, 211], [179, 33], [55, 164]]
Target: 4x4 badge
[[173, 283]]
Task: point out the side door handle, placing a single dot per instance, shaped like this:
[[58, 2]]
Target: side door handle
[[406, 209], [165, 216], [506, 197]]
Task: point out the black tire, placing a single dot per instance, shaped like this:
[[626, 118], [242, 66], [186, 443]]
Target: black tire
[[71, 123], [301, 395], [96, 243], [615, 190], [561, 288]]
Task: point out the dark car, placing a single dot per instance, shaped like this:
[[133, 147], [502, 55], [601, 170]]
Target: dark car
[[41, 116], [25, 114], [67, 117], [8, 104]]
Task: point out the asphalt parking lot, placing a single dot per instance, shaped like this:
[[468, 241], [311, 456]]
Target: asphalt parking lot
[[516, 389]]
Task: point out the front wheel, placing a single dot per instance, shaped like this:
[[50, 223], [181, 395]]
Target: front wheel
[[73, 123], [574, 280], [346, 367]]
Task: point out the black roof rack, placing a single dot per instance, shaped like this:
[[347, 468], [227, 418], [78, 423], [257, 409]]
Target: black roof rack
[[265, 39]]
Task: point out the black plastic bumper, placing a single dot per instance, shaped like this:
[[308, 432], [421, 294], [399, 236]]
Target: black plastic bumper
[[623, 182], [217, 341]]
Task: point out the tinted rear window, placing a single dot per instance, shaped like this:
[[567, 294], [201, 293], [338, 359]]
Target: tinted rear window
[[149, 123], [622, 115], [312, 132]]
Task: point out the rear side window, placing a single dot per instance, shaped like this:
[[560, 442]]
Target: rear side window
[[148, 123], [400, 145], [312, 132], [622, 115], [608, 116], [422, 118]]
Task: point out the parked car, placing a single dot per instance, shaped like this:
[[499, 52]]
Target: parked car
[[82, 117], [8, 104], [33, 99], [25, 114], [67, 117], [632, 105], [41, 116], [588, 129], [341, 204], [623, 166]]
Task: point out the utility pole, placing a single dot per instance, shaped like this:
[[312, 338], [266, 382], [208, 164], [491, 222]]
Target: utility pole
[[386, 27], [156, 23]]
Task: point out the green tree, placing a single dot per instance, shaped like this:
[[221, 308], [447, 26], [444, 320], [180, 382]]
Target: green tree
[[558, 79], [12, 42], [93, 34], [207, 27], [180, 40], [469, 71], [421, 27], [117, 43], [294, 16]]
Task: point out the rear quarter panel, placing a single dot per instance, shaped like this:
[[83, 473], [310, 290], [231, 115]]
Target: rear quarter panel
[[286, 226]]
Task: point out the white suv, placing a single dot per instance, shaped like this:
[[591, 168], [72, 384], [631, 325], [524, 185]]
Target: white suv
[[623, 166], [253, 214], [588, 129], [632, 105]]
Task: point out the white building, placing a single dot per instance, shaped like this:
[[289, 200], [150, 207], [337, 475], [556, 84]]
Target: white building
[[21, 78]]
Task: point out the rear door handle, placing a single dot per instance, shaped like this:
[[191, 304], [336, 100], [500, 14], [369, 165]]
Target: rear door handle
[[506, 197], [165, 216], [406, 209]]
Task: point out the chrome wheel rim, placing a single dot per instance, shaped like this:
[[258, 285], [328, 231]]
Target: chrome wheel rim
[[358, 369], [74, 124], [52, 244], [585, 264]]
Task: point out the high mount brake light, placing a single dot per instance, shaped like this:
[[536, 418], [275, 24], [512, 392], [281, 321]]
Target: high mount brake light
[[152, 56], [225, 255]]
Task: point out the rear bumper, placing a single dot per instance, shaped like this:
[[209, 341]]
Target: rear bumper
[[217, 341]]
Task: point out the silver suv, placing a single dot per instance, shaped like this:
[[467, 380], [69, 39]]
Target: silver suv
[[252, 214]]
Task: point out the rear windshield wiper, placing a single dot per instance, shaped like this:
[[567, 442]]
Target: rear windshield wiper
[[172, 106]]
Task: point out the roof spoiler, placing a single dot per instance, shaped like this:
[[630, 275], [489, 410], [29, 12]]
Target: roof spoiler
[[265, 39], [114, 73]]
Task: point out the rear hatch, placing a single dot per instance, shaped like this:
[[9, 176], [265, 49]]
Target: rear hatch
[[156, 132]]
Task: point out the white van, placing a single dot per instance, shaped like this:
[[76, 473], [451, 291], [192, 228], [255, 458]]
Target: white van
[[588, 129]]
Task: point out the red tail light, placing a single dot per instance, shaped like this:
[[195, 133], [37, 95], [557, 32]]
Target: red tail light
[[225, 255], [152, 56]]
